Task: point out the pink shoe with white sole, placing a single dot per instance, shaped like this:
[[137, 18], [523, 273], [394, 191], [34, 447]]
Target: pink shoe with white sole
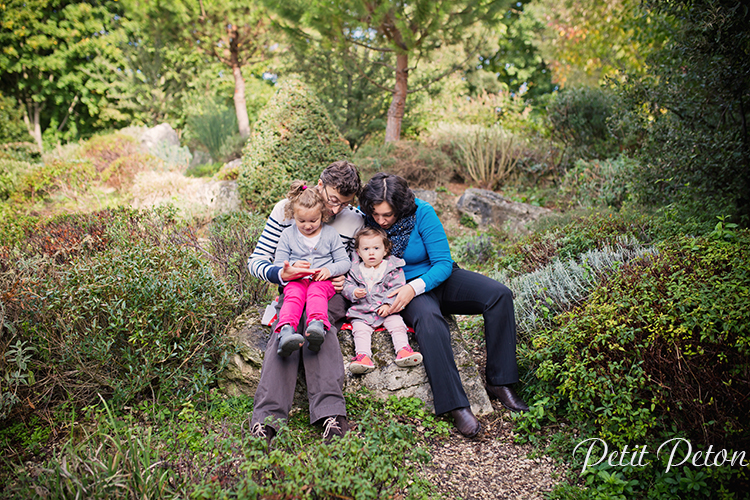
[[407, 357]]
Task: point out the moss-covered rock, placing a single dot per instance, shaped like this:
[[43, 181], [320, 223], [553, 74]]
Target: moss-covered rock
[[294, 138]]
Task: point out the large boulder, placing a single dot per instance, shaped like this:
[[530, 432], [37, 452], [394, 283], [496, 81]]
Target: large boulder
[[488, 208], [163, 142], [427, 195], [249, 337], [162, 133], [219, 196]]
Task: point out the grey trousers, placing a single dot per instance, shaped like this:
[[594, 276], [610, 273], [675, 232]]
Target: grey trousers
[[324, 374]]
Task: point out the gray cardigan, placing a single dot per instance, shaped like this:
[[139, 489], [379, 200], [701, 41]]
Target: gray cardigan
[[329, 252]]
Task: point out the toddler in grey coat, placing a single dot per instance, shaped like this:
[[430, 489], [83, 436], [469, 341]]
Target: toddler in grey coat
[[372, 277]]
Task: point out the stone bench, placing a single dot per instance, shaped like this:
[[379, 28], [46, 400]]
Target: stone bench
[[250, 338]]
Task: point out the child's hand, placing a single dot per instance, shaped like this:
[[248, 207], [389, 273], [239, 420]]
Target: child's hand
[[323, 274], [298, 270], [384, 310], [360, 293]]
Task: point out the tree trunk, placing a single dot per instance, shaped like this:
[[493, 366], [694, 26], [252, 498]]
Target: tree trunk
[[396, 111], [34, 126], [240, 105]]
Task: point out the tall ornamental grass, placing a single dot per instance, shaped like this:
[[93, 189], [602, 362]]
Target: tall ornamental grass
[[486, 155]]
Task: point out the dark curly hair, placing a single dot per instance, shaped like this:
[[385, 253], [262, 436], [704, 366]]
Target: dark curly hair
[[391, 188], [342, 176]]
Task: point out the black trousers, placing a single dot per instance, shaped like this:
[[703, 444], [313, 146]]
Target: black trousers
[[464, 292]]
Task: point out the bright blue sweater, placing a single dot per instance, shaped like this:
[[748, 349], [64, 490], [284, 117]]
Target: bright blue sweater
[[428, 255]]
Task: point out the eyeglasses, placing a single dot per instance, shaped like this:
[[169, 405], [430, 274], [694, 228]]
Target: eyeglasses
[[333, 202]]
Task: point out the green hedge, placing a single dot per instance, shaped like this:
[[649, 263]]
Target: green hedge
[[294, 138]]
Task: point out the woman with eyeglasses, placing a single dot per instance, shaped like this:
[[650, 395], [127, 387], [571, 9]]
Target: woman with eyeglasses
[[338, 184]]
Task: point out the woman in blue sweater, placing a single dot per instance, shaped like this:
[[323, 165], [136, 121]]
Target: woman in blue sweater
[[437, 286]]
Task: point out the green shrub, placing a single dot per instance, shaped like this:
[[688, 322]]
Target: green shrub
[[294, 138], [115, 305], [102, 150], [65, 237], [698, 174], [14, 225], [578, 118], [10, 173], [468, 221], [600, 182], [232, 239], [133, 319], [42, 181], [594, 231], [20, 151], [538, 162], [205, 170], [423, 166], [121, 172]]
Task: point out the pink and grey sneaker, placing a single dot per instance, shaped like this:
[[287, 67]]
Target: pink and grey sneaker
[[361, 364], [407, 357]]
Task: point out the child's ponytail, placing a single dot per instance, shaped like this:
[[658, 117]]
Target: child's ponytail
[[300, 195]]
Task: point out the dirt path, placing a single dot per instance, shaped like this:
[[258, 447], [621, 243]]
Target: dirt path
[[492, 466]]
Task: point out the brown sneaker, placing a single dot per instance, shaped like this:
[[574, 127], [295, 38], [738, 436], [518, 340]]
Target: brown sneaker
[[263, 431], [334, 426]]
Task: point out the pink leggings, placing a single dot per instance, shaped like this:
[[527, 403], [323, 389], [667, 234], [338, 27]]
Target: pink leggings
[[362, 333], [297, 294]]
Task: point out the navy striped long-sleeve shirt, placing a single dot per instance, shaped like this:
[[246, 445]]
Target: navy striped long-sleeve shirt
[[347, 223]]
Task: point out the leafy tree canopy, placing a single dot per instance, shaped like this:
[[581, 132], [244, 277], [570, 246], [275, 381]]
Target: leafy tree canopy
[[517, 64], [49, 49], [584, 41], [235, 32], [402, 30]]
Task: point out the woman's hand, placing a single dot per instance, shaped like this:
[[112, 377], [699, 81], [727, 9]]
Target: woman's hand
[[360, 293], [298, 270], [403, 296], [338, 283]]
